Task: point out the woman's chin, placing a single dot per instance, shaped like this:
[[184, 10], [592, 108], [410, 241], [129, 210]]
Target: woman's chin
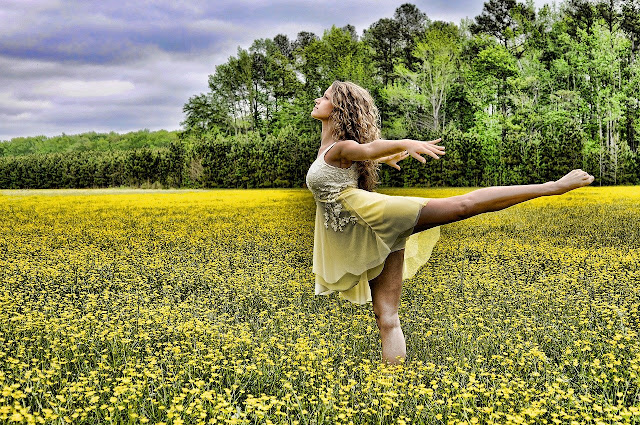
[[318, 116]]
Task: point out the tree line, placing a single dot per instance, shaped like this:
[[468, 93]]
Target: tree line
[[521, 82], [90, 141], [250, 160], [518, 96]]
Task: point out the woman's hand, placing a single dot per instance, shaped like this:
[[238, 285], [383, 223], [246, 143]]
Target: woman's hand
[[417, 147], [392, 160]]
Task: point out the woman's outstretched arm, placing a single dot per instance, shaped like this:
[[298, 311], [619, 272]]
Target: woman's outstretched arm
[[354, 151]]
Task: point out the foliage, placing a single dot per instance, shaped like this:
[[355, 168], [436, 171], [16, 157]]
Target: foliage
[[523, 83], [146, 167], [478, 157], [91, 141], [423, 92]]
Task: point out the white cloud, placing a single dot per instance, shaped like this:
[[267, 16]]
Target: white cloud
[[79, 88], [216, 25], [19, 117], [10, 102]]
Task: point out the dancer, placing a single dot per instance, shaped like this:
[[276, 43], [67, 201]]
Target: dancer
[[367, 243]]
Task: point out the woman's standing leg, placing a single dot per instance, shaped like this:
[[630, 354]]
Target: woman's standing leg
[[385, 294], [441, 211]]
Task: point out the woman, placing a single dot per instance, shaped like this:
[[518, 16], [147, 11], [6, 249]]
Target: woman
[[366, 243]]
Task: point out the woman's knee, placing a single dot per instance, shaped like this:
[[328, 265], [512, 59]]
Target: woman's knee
[[464, 207], [457, 207], [441, 211], [387, 320]]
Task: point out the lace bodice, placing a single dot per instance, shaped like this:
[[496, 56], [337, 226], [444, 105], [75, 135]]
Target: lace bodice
[[326, 182]]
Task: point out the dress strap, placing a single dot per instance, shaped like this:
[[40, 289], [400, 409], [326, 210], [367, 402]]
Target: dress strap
[[325, 151]]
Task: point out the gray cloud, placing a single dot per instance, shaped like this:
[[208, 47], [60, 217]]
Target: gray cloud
[[76, 66]]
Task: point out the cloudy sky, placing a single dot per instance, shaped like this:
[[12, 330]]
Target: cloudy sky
[[74, 66]]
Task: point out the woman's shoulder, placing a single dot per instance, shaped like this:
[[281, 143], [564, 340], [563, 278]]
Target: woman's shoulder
[[338, 155], [345, 145], [347, 142], [348, 150]]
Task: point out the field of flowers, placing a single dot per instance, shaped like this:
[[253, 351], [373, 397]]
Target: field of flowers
[[197, 307]]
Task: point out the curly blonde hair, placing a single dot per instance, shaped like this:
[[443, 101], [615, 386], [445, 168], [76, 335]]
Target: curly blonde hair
[[356, 117]]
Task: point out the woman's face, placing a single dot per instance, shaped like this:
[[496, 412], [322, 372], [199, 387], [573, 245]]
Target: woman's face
[[323, 106]]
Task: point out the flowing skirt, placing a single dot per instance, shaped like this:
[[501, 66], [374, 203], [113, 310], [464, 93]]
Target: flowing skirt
[[346, 260]]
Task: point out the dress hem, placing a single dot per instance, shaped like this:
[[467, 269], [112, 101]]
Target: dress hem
[[415, 223]]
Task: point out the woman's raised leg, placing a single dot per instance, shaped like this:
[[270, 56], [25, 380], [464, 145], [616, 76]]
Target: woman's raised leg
[[441, 211], [385, 294]]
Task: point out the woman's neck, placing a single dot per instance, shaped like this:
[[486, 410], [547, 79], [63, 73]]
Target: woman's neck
[[326, 138]]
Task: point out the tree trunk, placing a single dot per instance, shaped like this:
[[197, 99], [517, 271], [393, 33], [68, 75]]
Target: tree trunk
[[630, 129], [608, 134], [601, 150], [444, 112], [615, 139]]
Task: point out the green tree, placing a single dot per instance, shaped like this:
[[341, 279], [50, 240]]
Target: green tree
[[411, 22], [507, 21], [578, 14], [423, 93], [383, 37], [598, 59]]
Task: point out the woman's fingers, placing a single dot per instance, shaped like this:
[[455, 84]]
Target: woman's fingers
[[432, 147], [435, 147], [428, 152], [433, 151], [432, 154], [432, 143], [418, 157], [428, 147]]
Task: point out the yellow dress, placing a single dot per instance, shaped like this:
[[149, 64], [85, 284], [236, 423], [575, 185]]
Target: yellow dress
[[355, 230]]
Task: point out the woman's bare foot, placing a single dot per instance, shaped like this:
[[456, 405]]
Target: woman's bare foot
[[572, 180]]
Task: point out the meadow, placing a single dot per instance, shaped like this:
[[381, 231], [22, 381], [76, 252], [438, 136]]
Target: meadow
[[197, 307]]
